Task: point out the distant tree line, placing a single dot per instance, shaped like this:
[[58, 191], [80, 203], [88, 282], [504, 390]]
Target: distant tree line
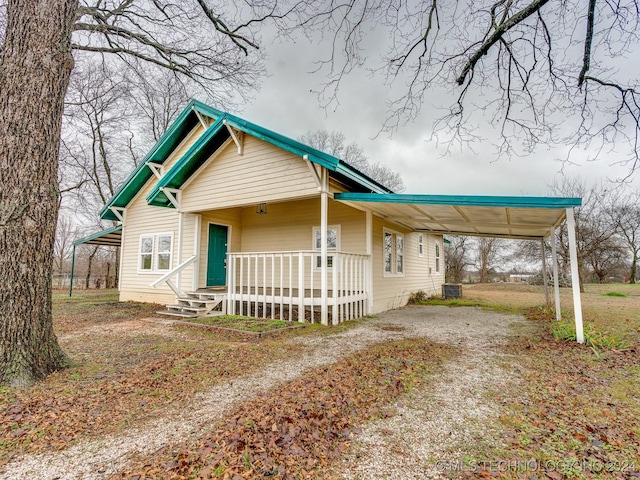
[[607, 235]]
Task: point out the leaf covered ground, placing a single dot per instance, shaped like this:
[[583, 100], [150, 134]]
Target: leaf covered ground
[[574, 414], [125, 371], [300, 428]]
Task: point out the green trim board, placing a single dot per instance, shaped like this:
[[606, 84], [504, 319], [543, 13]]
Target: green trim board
[[191, 161], [463, 200]]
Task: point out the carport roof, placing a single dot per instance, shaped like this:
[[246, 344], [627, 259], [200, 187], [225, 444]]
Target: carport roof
[[494, 216]]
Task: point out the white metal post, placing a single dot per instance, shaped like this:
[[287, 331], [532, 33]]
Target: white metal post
[[369, 263], [324, 203], [180, 240], [197, 234], [575, 275], [556, 283]]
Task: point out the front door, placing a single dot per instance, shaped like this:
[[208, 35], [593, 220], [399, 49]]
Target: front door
[[217, 256]]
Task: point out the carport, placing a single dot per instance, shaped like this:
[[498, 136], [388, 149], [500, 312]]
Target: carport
[[111, 237], [525, 218]]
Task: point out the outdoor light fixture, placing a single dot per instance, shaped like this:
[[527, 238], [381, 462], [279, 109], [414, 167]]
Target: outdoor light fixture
[[261, 209]]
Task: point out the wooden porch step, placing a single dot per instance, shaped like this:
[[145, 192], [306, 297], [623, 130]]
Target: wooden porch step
[[188, 308]]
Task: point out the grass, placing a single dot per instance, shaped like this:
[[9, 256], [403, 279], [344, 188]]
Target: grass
[[570, 410]]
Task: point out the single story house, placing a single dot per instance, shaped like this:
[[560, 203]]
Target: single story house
[[226, 214]]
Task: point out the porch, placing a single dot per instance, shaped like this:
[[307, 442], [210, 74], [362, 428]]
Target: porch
[[289, 286]]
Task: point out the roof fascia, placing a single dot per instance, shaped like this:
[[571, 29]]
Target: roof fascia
[[183, 162], [124, 195], [463, 200]]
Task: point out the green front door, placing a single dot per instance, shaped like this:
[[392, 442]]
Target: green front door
[[217, 256]]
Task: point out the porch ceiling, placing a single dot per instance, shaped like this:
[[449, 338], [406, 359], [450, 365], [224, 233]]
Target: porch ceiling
[[509, 217]]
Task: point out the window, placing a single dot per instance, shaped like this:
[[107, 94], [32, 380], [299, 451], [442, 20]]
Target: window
[[333, 244], [420, 245], [155, 252], [437, 257], [393, 256]]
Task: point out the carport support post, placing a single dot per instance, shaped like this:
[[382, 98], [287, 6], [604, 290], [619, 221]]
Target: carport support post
[[73, 261], [575, 275], [556, 283]]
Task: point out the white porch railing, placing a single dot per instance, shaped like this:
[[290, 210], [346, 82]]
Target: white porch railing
[[169, 275], [287, 285]]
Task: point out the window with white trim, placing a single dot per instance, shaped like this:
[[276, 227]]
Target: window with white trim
[[333, 244], [420, 245], [437, 257], [393, 255], [155, 252]]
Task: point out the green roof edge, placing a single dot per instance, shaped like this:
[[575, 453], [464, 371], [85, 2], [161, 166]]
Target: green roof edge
[[183, 162], [93, 236], [124, 192], [463, 200]]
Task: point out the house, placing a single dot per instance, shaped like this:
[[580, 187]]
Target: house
[[222, 210], [226, 214]]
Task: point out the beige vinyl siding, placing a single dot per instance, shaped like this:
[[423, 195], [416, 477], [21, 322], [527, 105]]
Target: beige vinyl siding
[[264, 173], [394, 291], [141, 219], [289, 226]]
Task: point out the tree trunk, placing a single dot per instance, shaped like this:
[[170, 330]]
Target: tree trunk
[[89, 265], [35, 66], [634, 264]]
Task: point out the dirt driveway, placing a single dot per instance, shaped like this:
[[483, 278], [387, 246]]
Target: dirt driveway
[[429, 432]]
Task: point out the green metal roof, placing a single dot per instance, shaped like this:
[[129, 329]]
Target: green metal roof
[[177, 131], [110, 237], [206, 145], [191, 161], [509, 217]]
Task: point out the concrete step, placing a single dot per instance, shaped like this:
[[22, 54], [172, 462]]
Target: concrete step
[[177, 314], [206, 295], [188, 308], [192, 302]]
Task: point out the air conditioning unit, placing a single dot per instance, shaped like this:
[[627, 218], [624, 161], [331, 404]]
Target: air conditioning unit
[[451, 290]]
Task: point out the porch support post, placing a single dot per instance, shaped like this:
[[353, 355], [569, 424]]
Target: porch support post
[[324, 204], [369, 273], [180, 240], [545, 280], [196, 251], [556, 283], [575, 275]]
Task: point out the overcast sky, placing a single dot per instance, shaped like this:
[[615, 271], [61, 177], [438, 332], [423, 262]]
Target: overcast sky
[[286, 103]]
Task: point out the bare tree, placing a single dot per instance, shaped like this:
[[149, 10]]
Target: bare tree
[[528, 66], [333, 143], [66, 233], [457, 255], [487, 254], [188, 38], [623, 209]]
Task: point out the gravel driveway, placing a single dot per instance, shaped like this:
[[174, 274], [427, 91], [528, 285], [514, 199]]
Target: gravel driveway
[[429, 431]]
